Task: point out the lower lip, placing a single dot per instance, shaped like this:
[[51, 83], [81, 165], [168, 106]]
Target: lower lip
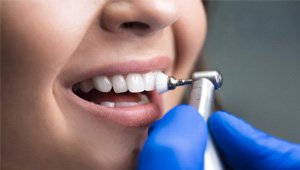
[[135, 116]]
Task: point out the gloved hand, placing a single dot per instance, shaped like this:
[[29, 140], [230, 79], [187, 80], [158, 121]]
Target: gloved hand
[[175, 142], [246, 148]]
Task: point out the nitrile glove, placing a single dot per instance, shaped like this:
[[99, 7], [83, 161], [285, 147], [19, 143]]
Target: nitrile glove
[[175, 142], [246, 148]]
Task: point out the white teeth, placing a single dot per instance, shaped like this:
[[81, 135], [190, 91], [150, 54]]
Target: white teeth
[[135, 82], [126, 104], [108, 104], [86, 86], [102, 83], [149, 81], [144, 100], [119, 84]]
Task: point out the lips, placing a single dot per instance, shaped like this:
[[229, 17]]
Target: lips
[[131, 106]]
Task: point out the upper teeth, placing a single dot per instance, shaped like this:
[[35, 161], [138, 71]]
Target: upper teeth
[[134, 82]]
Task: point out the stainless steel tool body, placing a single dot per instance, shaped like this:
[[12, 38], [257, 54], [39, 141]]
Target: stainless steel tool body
[[202, 97]]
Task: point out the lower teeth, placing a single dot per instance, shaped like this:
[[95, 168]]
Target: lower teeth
[[143, 100]]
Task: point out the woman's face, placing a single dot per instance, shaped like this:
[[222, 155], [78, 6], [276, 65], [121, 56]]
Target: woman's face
[[50, 47]]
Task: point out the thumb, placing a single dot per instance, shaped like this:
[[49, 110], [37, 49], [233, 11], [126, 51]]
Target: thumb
[[244, 147], [177, 141]]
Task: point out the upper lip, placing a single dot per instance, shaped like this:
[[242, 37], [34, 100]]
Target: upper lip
[[130, 66]]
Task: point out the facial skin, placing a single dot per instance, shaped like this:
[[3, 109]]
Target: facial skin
[[45, 44]]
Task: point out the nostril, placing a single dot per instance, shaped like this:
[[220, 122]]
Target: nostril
[[138, 17], [135, 25]]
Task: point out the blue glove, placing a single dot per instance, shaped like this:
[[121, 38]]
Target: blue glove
[[175, 142], [246, 148]]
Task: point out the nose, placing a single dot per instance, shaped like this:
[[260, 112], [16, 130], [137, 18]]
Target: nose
[[138, 16]]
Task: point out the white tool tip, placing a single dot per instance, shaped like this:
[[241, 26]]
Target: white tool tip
[[161, 82]]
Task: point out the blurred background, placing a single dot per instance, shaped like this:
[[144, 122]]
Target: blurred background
[[256, 46]]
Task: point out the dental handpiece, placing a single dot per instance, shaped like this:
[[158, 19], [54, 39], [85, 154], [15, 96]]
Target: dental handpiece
[[202, 97]]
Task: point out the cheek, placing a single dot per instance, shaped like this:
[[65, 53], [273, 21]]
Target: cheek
[[189, 32], [38, 39], [42, 41]]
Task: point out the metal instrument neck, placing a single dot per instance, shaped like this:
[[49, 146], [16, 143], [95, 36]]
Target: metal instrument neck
[[173, 82]]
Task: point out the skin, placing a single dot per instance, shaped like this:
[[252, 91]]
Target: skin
[[44, 42]]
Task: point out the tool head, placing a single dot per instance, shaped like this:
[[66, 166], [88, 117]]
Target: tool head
[[214, 76]]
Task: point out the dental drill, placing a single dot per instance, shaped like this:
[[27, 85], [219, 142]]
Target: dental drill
[[202, 97]]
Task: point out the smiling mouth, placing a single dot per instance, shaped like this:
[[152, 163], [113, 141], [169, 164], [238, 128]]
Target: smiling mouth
[[118, 90], [123, 93]]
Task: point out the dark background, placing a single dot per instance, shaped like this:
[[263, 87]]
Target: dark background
[[256, 46]]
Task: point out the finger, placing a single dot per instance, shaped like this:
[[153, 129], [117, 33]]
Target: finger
[[177, 141], [244, 147]]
